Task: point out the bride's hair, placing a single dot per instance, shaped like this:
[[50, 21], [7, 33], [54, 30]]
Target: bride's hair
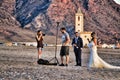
[[92, 34], [92, 39]]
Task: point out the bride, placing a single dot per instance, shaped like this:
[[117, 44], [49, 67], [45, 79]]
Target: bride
[[94, 59]]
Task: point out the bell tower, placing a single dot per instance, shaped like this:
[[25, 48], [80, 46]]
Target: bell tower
[[79, 27], [79, 21]]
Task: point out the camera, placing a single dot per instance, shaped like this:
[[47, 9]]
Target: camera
[[43, 34]]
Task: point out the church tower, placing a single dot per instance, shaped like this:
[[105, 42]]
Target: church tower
[[79, 21], [79, 27]]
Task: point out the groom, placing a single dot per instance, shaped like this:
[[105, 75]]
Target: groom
[[77, 43]]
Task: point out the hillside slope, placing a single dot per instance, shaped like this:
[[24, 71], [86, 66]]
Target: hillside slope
[[9, 27], [101, 16]]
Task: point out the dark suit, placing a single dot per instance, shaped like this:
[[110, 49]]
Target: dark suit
[[77, 49]]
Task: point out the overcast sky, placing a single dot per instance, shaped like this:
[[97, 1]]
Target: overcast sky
[[117, 1]]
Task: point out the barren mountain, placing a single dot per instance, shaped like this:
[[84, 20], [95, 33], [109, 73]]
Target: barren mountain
[[101, 16], [9, 27]]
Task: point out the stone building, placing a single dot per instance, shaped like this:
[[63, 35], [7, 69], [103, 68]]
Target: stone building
[[79, 27]]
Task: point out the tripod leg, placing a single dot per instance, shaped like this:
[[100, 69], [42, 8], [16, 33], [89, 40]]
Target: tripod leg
[[57, 60], [51, 59]]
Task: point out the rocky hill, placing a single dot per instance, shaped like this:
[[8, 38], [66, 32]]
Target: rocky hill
[[9, 27], [101, 16]]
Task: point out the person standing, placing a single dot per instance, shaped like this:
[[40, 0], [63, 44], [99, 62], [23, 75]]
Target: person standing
[[77, 43], [39, 39], [94, 59], [65, 47]]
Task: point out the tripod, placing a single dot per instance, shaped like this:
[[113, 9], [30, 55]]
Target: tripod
[[55, 58]]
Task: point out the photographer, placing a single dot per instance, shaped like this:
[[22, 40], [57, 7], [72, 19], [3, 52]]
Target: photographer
[[39, 39]]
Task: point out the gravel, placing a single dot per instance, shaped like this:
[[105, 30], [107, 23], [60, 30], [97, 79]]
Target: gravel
[[19, 63]]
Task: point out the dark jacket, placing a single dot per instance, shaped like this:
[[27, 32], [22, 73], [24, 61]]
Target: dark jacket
[[79, 42]]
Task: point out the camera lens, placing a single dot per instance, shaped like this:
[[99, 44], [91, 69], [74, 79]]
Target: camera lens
[[43, 34]]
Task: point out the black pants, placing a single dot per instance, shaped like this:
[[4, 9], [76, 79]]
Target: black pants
[[78, 56]]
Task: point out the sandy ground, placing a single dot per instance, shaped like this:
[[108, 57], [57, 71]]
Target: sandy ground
[[19, 63]]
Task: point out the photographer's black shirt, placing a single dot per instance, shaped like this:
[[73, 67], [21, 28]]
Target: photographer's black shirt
[[40, 43]]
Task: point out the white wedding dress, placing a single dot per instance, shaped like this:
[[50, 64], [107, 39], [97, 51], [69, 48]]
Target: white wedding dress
[[96, 61]]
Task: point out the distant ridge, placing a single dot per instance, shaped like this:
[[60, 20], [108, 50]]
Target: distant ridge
[[101, 16]]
